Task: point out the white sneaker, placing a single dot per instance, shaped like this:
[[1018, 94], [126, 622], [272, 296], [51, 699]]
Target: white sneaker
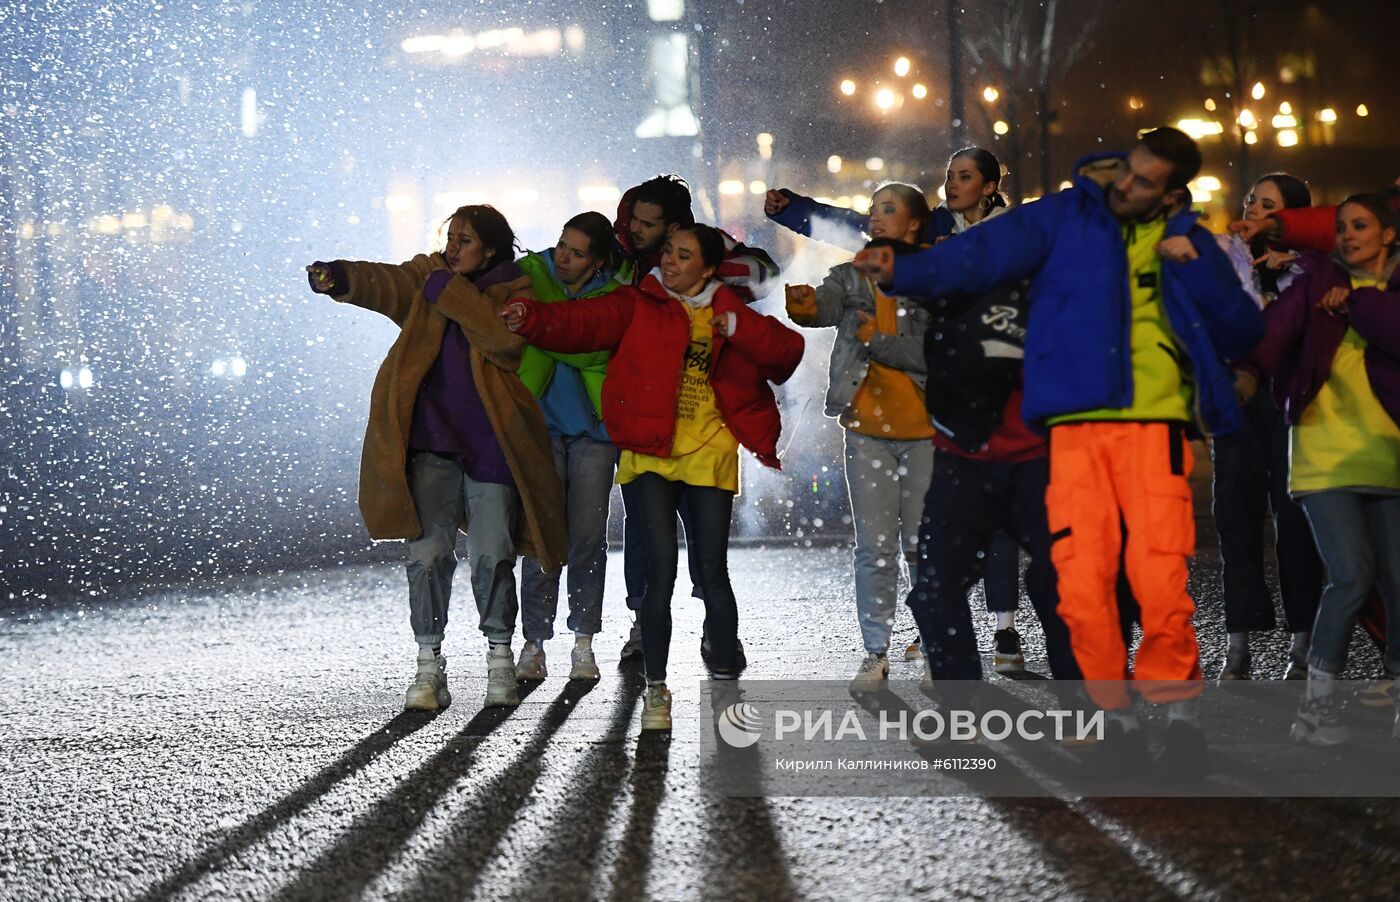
[[585, 666], [501, 688], [656, 707], [429, 689], [873, 673], [531, 665]]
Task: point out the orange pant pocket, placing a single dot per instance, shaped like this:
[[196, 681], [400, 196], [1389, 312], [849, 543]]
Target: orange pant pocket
[[1171, 519]]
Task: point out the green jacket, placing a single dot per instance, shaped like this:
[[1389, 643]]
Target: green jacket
[[536, 365]]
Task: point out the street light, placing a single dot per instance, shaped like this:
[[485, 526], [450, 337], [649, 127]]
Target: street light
[[1287, 138], [901, 66], [833, 164], [990, 94], [920, 92], [1135, 103], [848, 87], [1000, 127], [1327, 114], [1257, 92], [1362, 111], [885, 99]]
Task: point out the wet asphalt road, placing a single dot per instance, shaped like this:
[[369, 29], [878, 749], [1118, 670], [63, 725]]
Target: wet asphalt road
[[245, 741]]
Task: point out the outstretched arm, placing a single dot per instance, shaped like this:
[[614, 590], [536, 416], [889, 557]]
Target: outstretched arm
[[385, 288], [1008, 248], [833, 225], [573, 327]]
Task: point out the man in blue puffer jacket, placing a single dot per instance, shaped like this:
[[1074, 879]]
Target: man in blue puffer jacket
[[1124, 352]]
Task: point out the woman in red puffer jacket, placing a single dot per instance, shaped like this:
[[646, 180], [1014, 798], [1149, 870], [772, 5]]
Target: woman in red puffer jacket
[[688, 383]]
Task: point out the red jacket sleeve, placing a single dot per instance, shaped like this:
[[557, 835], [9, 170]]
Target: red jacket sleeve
[[579, 326], [772, 347], [1308, 228]]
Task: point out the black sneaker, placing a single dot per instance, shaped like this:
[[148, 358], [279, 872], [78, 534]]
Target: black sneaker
[[1184, 754], [1008, 658], [1121, 754], [632, 648], [740, 659], [1237, 664]]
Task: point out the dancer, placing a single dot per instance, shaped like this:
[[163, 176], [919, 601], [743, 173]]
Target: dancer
[[1121, 348], [876, 391], [646, 216], [688, 383], [454, 440], [1251, 465], [569, 388], [972, 188], [1333, 350]]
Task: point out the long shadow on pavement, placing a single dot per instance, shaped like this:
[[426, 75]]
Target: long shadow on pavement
[[648, 785], [743, 854], [455, 866], [569, 859], [375, 837], [247, 834]]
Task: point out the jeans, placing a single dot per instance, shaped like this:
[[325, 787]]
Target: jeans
[[445, 495], [1359, 538], [968, 501], [1001, 580], [653, 501], [634, 561], [586, 469], [886, 479], [1251, 474]]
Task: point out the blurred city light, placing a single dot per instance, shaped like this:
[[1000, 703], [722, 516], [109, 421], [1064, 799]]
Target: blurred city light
[[666, 10], [919, 91], [833, 164], [1287, 138], [901, 66], [1001, 127], [885, 99], [1200, 128], [848, 87], [1257, 92], [990, 94]]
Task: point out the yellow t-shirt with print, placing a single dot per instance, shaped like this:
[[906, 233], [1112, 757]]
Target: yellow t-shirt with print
[[1162, 387], [888, 404], [1344, 438], [704, 451]]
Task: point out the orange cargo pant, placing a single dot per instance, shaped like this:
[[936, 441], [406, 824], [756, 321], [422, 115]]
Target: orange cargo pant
[[1108, 479]]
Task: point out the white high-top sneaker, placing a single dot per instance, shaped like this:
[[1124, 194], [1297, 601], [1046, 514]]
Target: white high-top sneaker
[[656, 707], [429, 689], [501, 687]]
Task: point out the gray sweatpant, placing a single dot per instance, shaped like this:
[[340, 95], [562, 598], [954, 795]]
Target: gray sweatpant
[[444, 494]]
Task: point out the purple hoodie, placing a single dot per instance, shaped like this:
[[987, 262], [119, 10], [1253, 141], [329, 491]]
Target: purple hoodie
[[1301, 340]]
